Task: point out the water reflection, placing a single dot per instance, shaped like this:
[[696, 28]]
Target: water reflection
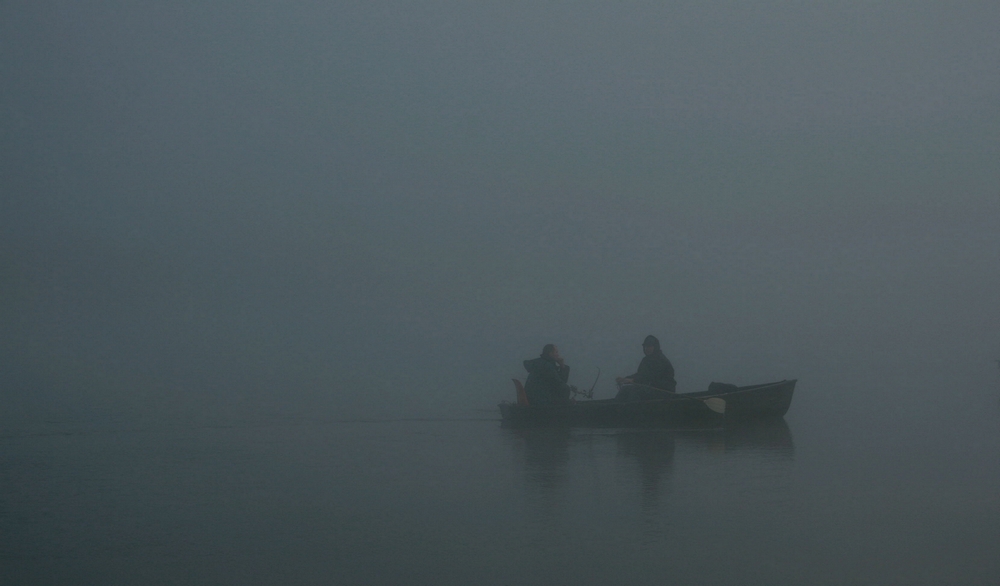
[[555, 459], [653, 453], [772, 436], [545, 454]]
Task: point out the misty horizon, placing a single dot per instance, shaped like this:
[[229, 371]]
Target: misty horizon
[[354, 206]]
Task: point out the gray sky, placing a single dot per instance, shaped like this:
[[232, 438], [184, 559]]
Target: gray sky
[[275, 202]]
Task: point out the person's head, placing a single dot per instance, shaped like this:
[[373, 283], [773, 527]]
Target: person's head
[[550, 351], [650, 345]]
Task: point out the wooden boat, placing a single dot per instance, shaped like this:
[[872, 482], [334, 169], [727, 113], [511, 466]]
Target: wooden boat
[[720, 405]]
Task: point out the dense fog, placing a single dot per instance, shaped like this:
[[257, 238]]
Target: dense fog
[[379, 209]]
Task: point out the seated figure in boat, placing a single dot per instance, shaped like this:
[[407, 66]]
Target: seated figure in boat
[[547, 376], [653, 380]]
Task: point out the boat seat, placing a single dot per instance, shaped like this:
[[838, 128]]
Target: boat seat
[[522, 397]]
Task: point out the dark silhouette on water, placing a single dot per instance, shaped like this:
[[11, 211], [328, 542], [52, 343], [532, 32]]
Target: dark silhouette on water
[[712, 408]]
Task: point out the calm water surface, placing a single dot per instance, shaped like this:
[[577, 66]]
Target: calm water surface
[[865, 487]]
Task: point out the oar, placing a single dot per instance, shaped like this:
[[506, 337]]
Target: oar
[[716, 404]]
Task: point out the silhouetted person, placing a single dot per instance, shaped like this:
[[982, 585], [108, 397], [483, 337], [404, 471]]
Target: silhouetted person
[[547, 376], [654, 377]]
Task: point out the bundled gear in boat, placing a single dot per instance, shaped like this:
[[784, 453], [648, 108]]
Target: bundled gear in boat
[[546, 384]]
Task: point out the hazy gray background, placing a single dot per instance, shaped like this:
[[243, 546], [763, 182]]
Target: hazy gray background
[[378, 208]]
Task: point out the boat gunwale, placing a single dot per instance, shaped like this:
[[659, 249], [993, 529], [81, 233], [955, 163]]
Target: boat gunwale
[[739, 390]]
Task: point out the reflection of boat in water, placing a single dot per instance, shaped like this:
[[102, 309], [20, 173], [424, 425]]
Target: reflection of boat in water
[[545, 453], [545, 450], [553, 458], [652, 450], [771, 435], [714, 407]]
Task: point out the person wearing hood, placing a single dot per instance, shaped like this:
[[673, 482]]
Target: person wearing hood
[[655, 374], [547, 376]]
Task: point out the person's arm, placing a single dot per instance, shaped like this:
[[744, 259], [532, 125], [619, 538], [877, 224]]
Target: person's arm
[[556, 377], [626, 379], [643, 376], [550, 374], [564, 372]]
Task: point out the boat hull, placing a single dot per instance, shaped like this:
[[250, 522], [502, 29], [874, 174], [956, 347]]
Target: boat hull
[[755, 402]]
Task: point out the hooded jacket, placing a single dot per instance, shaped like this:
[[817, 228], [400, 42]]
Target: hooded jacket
[[546, 384], [655, 369]]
